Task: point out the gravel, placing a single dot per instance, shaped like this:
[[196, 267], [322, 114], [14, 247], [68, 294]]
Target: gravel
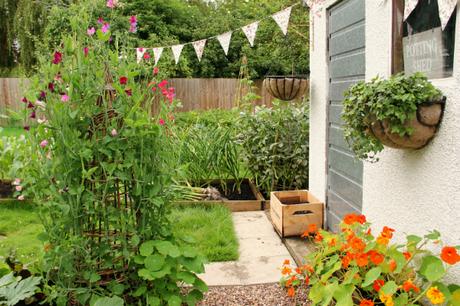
[[252, 295]]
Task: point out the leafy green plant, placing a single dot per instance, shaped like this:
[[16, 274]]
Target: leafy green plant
[[394, 100], [103, 180], [14, 152], [275, 143], [354, 267], [14, 289]]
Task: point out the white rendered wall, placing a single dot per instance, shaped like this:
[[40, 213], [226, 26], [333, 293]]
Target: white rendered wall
[[411, 191]]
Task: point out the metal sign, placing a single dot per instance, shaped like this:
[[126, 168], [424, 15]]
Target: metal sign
[[424, 52]]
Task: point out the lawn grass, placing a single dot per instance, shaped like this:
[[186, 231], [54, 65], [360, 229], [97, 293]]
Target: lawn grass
[[211, 227], [19, 227], [11, 131]]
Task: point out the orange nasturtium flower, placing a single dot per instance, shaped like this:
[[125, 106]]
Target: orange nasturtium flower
[[291, 292], [378, 283], [312, 228], [382, 240], [286, 262], [318, 237], [346, 260], [375, 257], [387, 232], [392, 265], [286, 271], [357, 244], [450, 255], [409, 285], [408, 255], [361, 259], [386, 299], [435, 295], [366, 303], [332, 242]]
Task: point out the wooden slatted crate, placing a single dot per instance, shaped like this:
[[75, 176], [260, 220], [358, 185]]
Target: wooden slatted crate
[[292, 211]]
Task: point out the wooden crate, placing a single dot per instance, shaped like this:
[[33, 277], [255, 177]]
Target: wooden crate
[[293, 211]]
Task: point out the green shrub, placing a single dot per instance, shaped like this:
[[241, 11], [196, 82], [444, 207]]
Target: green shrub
[[275, 142]]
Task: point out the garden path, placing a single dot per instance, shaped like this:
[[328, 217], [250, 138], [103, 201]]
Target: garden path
[[262, 254]]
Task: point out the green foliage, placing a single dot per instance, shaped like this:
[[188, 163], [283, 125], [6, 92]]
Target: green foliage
[[103, 181], [394, 100], [14, 154], [15, 289], [275, 143], [210, 228], [40, 26]]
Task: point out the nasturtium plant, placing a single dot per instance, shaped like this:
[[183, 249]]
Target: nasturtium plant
[[103, 180], [355, 267], [394, 100]]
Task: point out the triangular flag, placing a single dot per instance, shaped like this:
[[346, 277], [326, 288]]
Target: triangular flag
[[224, 40], [409, 6], [250, 31], [446, 8], [199, 48], [140, 53], [157, 54], [282, 19], [177, 50]]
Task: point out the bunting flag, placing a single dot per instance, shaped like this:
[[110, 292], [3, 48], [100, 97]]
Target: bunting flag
[[224, 40], [409, 6], [282, 19], [139, 53], [199, 48], [446, 8], [157, 54], [250, 31], [177, 50]]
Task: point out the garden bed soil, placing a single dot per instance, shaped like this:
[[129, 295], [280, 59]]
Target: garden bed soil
[[6, 189], [250, 199]]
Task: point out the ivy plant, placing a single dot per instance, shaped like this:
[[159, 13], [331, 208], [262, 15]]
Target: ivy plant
[[394, 100]]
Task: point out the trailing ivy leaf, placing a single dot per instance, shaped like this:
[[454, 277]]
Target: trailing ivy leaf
[[432, 268], [371, 276]]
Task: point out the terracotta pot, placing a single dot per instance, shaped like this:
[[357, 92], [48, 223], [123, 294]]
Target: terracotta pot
[[424, 125], [286, 88]]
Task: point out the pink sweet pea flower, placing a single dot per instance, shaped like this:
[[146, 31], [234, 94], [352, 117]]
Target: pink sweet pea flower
[[26, 128], [163, 84], [57, 58], [156, 70], [146, 55], [105, 27], [21, 197], [114, 133], [33, 115], [133, 24], [18, 188], [100, 20], [85, 51], [161, 121], [24, 100], [129, 92], [64, 98], [44, 143], [51, 86], [111, 3], [16, 182], [123, 80], [91, 31]]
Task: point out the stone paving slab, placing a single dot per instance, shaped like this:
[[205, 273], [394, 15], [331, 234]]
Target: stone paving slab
[[261, 254]]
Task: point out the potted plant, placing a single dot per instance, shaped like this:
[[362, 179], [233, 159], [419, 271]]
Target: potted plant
[[399, 112], [286, 88]]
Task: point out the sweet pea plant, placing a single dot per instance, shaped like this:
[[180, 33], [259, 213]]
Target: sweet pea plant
[[103, 181], [354, 267]]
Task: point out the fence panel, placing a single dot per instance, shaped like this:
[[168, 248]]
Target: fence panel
[[195, 94]]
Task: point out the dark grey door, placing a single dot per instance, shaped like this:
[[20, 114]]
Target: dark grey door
[[346, 67]]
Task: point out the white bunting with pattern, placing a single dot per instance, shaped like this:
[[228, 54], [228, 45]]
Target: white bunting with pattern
[[282, 19], [250, 31], [177, 50], [157, 52], [224, 40], [139, 54], [199, 48]]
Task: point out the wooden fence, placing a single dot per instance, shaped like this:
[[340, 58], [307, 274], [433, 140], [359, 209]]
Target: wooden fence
[[195, 94]]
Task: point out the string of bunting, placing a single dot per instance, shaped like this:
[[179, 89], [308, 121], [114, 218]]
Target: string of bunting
[[445, 7], [281, 18]]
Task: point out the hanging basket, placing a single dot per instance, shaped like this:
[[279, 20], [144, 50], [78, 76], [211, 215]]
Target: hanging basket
[[424, 125], [286, 88]]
